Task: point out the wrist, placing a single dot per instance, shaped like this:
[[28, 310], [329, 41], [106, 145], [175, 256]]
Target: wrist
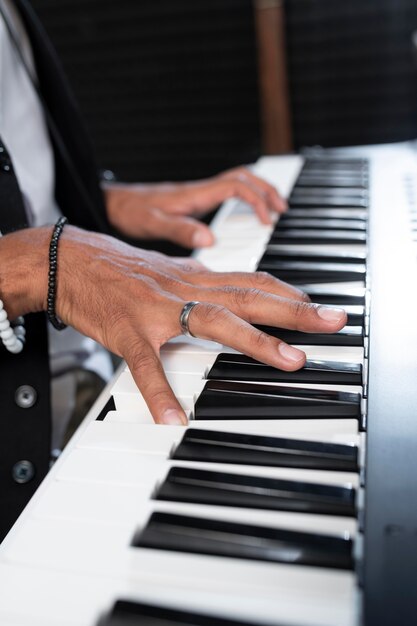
[[24, 270]]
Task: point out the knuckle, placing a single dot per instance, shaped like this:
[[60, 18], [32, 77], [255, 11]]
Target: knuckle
[[259, 339], [262, 279], [157, 395], [141, 361], [305, 297], [299, 311], [211, 313], [239, 296]]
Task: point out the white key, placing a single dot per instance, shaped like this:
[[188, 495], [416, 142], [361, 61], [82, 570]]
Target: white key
[[117, 435], [128, 504], [127, 397], [250, 591], [134, 468]]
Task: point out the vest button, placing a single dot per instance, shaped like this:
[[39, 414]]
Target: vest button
[[25, 396], [23, 472]]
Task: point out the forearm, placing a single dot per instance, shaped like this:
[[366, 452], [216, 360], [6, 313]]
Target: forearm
[[24, 270]]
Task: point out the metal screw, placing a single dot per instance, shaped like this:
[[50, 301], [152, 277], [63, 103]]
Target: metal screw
[[23, 472], [25, 396]]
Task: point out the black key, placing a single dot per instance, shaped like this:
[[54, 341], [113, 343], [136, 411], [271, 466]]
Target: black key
[[277, 253], [302, 272], [244, 368], [181, 533], [300, 236], [128, 613], [354, 295], [355, 314], [222, 399], [336, 214], [187, 484], [210, 446], [336, 192], [347, 336], [334, 180], [331, 174], [304, 200], [330, 162], [320, 223]]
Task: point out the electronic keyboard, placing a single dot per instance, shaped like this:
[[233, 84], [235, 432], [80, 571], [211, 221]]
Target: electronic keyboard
[[289, 499]]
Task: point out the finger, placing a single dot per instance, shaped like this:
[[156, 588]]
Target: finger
[[256, 280], [217, 323], [221, 188], [258, 307], [252, 195], [275, 200], [148, 374], [185, 231]]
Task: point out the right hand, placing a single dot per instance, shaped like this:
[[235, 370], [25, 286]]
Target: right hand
[[130, 301]]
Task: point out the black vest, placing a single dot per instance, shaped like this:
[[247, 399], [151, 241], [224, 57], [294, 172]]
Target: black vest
[[25, 417]]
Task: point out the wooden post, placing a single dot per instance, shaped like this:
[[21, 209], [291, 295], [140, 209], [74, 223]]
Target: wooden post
[[273, 81]]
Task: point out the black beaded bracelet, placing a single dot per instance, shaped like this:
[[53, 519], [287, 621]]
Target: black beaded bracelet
[[53, 264]]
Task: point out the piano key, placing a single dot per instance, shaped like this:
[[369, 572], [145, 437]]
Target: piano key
[[245, 590], [325, 192], [322, 223], [187, 362], [304, 201], [330, 174], [113, 432], [128, 613], [132, 505], [347, 336], [188, 484], [301, 236], [233, 400], [300, 272], [333, 180], [331, 163], [231, 365], [187, 386], [237, 448], [323, 295], [231, 255], [290, 253], [126, 468], [356, 315], [233, 540], [240, 367], [339, 214], [348, 354]]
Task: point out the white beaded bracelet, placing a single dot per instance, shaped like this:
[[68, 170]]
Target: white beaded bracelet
[[13, 337]]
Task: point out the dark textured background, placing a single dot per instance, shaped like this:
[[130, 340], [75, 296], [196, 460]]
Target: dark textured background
[[169, 87], [353, 78]]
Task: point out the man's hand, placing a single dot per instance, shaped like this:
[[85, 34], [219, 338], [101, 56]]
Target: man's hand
[[130, 301], [164, 211]]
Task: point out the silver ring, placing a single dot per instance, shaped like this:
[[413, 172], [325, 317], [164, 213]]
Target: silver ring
[[184, 316]]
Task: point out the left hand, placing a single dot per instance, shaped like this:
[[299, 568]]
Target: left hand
[[162, 211]]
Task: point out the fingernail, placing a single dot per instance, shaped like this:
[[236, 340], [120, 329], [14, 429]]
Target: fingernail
[[330, 314], [201, 238], [289, 353], [172, 417]]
